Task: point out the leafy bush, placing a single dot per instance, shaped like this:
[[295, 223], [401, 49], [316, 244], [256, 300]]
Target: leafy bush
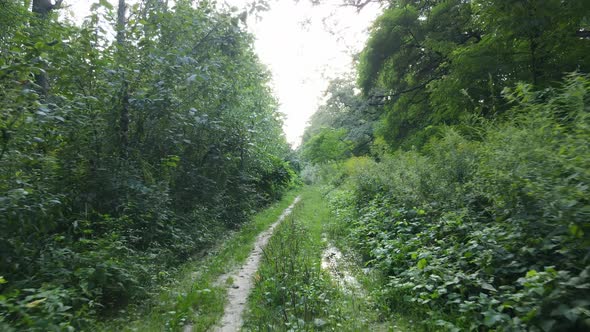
[[487, 234], [119, 159]]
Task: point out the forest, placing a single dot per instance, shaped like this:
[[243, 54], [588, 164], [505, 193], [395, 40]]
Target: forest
[[453, 161]]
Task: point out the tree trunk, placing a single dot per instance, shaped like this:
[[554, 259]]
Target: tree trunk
[[534, 61], [42, 8], [124, 102], [121, 22]]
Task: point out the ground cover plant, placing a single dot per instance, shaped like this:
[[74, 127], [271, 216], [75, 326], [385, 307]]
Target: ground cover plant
[[486, 233]]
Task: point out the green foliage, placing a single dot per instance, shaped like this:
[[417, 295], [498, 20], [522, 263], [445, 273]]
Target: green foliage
[[130, 157], [326, 146], [345, 109], [434, 63], [486, 234], [275, 179]]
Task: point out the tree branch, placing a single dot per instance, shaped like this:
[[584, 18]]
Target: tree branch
[[382, 98], [359, 4]]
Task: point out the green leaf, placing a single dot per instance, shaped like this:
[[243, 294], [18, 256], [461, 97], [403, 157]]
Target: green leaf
[[35, 303], [105, 4], [489, 287], [576, 231], [547, 324], [422, 263], [493, 318]]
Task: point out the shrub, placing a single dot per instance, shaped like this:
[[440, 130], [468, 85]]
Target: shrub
[[486, 234]]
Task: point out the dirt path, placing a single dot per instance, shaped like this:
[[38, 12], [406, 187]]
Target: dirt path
[[243, 280]]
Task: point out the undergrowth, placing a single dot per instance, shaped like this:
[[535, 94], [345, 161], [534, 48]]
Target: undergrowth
[[292, 292], [193, 295], [484, 233]]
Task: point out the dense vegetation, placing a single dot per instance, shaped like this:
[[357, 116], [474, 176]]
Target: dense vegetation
[[472, 198], [433, 63], [126, 145], [294, 290], [457, 166]]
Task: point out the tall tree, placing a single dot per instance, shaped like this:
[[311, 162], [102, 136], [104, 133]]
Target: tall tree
[[345, 109], [433, 62]]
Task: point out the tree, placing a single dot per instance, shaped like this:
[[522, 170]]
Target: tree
[[345, 109], [145, 148], [434, 62], [326, 146]]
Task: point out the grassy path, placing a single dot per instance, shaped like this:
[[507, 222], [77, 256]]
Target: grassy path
[[291, 291], [196, 297], [294, 293], [243, 280]]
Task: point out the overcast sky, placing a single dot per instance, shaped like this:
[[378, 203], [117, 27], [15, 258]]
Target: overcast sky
[[303, 46]]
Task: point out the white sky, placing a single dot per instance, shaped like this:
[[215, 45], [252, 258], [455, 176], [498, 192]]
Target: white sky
[[303, 45]]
